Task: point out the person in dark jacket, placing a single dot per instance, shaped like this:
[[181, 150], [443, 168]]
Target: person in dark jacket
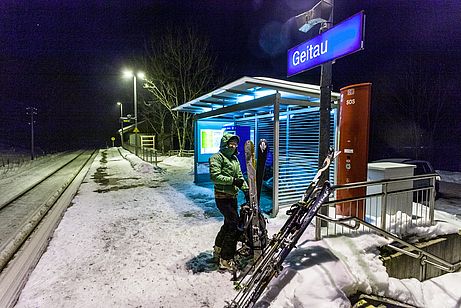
[[226, 174]]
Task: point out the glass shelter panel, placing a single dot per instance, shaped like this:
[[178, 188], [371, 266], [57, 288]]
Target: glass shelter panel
[[299, 147], [298, 152]]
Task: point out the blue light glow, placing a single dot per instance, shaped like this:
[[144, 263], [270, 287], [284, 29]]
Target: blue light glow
[[341, 40], [257, 94]]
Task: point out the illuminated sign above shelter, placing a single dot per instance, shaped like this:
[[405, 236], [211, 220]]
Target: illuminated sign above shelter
[[343, 39]]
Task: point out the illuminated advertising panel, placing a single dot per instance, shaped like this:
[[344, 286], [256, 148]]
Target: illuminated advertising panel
[[343, 39], [210, 140]]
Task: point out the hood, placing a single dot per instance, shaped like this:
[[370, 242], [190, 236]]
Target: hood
[[225, 139]]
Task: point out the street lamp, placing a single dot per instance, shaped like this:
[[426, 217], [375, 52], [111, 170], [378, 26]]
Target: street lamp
[[320, 13], [121, 122], [140, 75], [32, 111]]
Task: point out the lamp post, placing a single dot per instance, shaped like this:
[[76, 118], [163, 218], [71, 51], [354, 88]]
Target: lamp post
[[32, 111], [121, 122], [140, 75]]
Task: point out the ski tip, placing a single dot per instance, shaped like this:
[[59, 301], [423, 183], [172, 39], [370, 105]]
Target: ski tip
[[262, 145]]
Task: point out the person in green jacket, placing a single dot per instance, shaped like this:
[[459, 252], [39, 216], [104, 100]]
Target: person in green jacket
[[227, 177]]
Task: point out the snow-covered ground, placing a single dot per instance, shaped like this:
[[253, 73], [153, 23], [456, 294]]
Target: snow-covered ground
[[136, 235]]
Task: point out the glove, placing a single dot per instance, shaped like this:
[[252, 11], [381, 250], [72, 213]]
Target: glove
[[247, 196], [238, 182]]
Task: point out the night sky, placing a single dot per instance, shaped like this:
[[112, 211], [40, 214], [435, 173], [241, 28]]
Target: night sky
[[66, 57]]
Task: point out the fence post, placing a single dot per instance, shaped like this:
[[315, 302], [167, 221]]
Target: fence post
[[432, 201], [318, 229], [422, 268], [384, 207]]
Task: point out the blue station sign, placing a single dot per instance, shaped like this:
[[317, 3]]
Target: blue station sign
[[343, 39]]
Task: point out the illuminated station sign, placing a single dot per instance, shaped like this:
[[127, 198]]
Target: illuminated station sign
[[343, 39]]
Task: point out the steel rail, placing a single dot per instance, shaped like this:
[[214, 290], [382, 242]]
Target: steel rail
[[34, 184], [14, 277], [33, 216]]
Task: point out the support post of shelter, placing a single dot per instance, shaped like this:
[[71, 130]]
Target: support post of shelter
[[196, 148], [275, 182], [136, 131], [325, 101], [325, 106]]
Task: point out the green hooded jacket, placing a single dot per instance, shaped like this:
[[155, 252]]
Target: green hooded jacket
[[224, 167]]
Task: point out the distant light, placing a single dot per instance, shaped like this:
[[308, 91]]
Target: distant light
[[141, 75], [118, 103], [256, 94], [128, 74]]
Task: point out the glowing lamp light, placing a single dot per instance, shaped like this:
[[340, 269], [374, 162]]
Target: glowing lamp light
[[141, 75], [128, 74]]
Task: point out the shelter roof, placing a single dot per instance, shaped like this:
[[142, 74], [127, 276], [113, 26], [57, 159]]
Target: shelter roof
[[254, 95]]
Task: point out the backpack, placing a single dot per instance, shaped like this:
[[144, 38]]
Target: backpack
[[245, 226]]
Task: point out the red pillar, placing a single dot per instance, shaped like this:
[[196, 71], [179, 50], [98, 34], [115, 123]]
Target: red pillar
[[352, 163]]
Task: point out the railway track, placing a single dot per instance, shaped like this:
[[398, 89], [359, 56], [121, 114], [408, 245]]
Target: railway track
[[29, 215]]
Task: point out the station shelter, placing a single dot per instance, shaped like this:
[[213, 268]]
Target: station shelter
[[284, 113]]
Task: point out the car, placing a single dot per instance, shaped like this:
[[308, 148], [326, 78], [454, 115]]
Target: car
[[422, 167]]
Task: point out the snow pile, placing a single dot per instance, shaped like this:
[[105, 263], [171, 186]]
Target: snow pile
[[429, 232], [441, 291], [451, 219], [355, 252], [179, 162], [331, 269], [138, 164], [403, 223]]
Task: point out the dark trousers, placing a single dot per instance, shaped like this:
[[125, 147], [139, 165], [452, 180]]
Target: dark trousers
[[228, 234]]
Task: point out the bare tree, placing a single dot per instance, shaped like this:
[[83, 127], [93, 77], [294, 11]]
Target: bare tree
[[179, 68], [415, 105], [157, 117]]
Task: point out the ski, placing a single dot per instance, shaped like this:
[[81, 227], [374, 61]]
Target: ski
[[254, 213], [260, 166], [270, 263]]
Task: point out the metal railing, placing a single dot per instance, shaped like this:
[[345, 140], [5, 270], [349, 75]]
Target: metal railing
[[389, 208], [395, 205], [411, 250], [183, 153], [147, 154]]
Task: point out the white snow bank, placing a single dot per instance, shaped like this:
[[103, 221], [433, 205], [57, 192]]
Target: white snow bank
[[181, 162], [441, 291], [403, 222], [138, 164]]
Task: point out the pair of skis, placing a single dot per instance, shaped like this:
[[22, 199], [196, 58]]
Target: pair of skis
[[269, 264], [254, 228]]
